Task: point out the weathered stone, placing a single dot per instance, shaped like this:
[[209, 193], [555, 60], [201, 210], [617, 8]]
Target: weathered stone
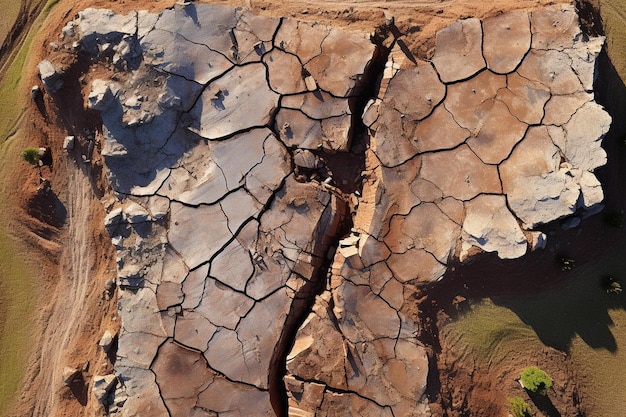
[[439, 131], [469, 101], [465, 175], [69, 375], [198, 233], [50, 76], [285, 72], [342, 63], [554, 27], [182, 375], [103, 386], [497, 133], [458, 52], [583, 132], [237, 101], [524, 99], [106, 340], [415, 92], [506, 40], [537, 189], [560, 109], [490, 226], [551, 68], [219, 247], [306, 159]]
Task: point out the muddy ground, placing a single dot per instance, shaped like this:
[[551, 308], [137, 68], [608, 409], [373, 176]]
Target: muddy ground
[[64, 229]]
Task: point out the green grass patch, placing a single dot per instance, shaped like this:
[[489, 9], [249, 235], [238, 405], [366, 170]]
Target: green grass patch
[[491, 332], [13, 93], [10, 11], [18, 307], [614, 21], [18, 293]]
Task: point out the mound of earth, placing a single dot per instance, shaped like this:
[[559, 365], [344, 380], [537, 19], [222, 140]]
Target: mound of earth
[[260, 272]]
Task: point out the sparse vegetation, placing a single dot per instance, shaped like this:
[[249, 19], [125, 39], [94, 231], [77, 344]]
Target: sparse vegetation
[[31, 155], [566, 263], [536, 380], [611, 285], [519, 407]]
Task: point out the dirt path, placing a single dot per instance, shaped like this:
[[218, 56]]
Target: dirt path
[[74, 285]]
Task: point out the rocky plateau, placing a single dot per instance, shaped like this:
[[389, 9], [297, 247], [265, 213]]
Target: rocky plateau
[[256, 277]]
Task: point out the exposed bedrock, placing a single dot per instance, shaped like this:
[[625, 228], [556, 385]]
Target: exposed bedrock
[[497, 135], [229, 230]]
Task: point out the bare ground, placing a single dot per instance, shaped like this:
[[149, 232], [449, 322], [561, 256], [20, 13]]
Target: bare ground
[[65, 229]]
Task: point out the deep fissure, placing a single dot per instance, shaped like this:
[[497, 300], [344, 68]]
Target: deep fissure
[[304, 299]]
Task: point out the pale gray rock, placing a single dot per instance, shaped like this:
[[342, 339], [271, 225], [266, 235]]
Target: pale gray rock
[[198, 233], [103, 387], [165, 48], [583, 134], [237, 101], [106, 340], [551, 68], [50, 76], [69, 375], [490, 226]]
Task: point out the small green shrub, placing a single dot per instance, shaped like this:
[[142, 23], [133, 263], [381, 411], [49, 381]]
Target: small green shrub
[[611, 285], [519, 407], [566, 264], [31, 155], [536, 380]]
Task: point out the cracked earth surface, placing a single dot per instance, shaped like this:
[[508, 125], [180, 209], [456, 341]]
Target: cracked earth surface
[[230, 227]]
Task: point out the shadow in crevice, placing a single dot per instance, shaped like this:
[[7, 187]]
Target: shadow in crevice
[[79, 389]]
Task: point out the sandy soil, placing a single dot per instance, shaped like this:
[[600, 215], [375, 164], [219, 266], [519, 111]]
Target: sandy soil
[[77, 256]]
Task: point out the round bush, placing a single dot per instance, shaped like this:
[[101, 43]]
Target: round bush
[[519, 407], [31, 155], [536, 380]]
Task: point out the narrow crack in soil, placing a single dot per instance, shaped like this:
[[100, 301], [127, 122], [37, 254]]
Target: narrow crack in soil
[[341, 163]]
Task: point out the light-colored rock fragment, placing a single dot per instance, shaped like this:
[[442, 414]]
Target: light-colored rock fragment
[[458, 51], [524, 99], [69, 375], [554, 27], [465, 175], [583, 134], [490, 226], [237, 101], [103, 386], [506, 40], [50, 76], [106, 340], [551, 68]]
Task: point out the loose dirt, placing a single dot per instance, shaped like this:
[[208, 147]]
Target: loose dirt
[[64, 229]]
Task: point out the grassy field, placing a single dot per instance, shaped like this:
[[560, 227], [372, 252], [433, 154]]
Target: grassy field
[[18, 295], [10, 10]]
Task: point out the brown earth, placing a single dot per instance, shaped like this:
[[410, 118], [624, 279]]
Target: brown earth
[[65, 227]]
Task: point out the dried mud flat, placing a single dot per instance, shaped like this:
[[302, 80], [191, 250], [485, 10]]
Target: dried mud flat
[[419, 42]]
